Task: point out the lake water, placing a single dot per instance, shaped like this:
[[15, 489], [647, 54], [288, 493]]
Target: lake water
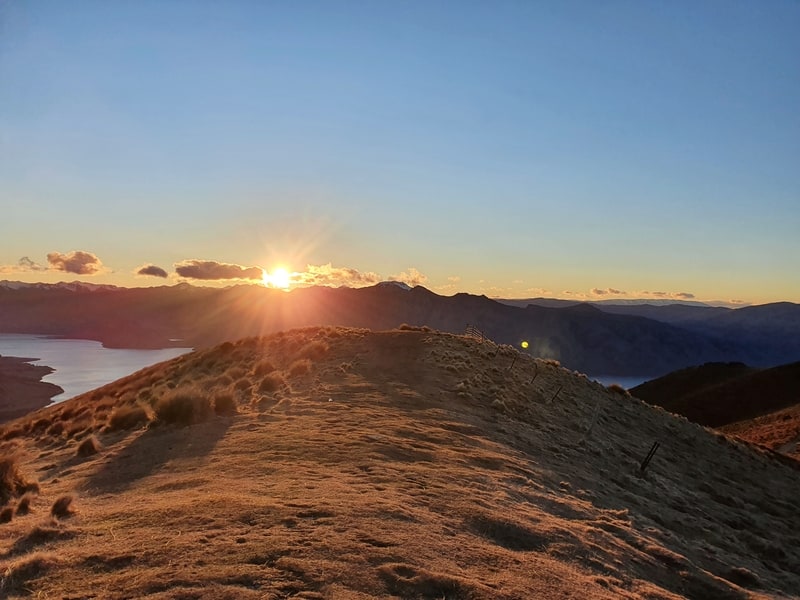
[[626, 382], [81, 365]]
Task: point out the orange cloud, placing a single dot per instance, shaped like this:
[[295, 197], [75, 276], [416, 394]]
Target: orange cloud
[[410, 276], [607, 292], [328, 275], [211, 270], [77, 262]]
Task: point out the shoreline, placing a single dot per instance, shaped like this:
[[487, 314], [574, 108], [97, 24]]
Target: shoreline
[[22, 390]]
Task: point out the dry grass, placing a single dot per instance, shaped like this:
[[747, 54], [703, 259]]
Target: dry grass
[[314, 350], [89, 447], [62, 507], [272, 383], [183, 406], [12, 482], [128, 417], [300, 367], [263, 367], [225, 404], [396, 477]]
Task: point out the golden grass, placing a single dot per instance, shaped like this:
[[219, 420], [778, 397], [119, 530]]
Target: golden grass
[[397, 477]]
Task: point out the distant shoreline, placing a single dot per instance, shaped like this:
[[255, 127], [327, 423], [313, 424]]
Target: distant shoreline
[[21, 387]]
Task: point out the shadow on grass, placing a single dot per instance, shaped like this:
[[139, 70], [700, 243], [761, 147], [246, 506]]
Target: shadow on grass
[[150, 451]]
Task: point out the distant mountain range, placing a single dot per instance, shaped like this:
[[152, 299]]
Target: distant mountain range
[[600, 339]]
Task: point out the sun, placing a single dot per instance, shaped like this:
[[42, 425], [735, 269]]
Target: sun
[[278, 278]]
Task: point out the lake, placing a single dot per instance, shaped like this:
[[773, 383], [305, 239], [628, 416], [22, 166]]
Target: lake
[[81, 365], [626, 382]]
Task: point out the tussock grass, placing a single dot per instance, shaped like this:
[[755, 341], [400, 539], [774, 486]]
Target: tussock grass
[[40, 425], [62, 507], [314, 350], [300, 367], [272, 383], [12, 481], [24, 504], [236, 373], [224, 404], [89, 447], [243, 384], [56, 429], [618, 389], [80, 426], [407, 327], [13, 432], [183, 406], [263, 367], [128, 417], [16, 578]]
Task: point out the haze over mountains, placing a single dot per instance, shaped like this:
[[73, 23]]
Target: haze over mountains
[[645, 340]]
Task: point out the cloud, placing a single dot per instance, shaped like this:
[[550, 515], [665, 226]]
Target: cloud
[[211, 270], [606, 292], [410, 276], [24, 265], [151, 270], [667, 295], [454, 279], [538, 291], [77, 262], [328, 275]]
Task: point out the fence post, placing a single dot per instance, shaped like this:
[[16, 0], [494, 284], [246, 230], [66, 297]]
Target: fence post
[[649, 456], [558, 391]]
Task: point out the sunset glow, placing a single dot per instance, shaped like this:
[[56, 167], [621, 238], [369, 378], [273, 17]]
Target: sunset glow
[[450, 145], [279, 278]]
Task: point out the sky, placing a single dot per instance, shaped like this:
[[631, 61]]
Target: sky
[[615, 149]]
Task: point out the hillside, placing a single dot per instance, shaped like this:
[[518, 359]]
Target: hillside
[[720, 394], [778, 430], [581, 336], [333, 463]]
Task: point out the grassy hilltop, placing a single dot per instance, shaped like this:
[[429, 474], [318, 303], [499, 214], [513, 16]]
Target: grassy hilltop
[[344, 463]]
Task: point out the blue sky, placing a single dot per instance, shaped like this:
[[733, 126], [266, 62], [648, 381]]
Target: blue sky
[[511, 148]]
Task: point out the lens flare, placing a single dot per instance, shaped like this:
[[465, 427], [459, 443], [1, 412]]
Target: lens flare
[[278, 278]]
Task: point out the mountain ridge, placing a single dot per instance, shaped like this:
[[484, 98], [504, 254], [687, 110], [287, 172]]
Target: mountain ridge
[[588, 338]]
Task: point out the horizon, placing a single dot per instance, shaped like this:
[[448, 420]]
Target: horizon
[[576, 151], [655, 301]]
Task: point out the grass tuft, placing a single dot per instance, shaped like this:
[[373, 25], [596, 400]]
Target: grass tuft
[[272, 383], [24, 504], [183, 407], [618, 389], [62, 507], [12, 482], [224, 404], [263, 367], [17, 576], [89, 447], [300, 367], [314, 350], [128, 417]]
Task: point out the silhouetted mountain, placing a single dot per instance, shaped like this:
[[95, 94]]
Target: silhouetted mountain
[[718, 394], [581, 336]]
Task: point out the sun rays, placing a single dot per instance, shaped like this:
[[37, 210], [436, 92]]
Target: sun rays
[[279, 278]]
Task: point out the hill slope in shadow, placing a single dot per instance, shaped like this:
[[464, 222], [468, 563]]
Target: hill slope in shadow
[[343, 463], [717, 394]]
